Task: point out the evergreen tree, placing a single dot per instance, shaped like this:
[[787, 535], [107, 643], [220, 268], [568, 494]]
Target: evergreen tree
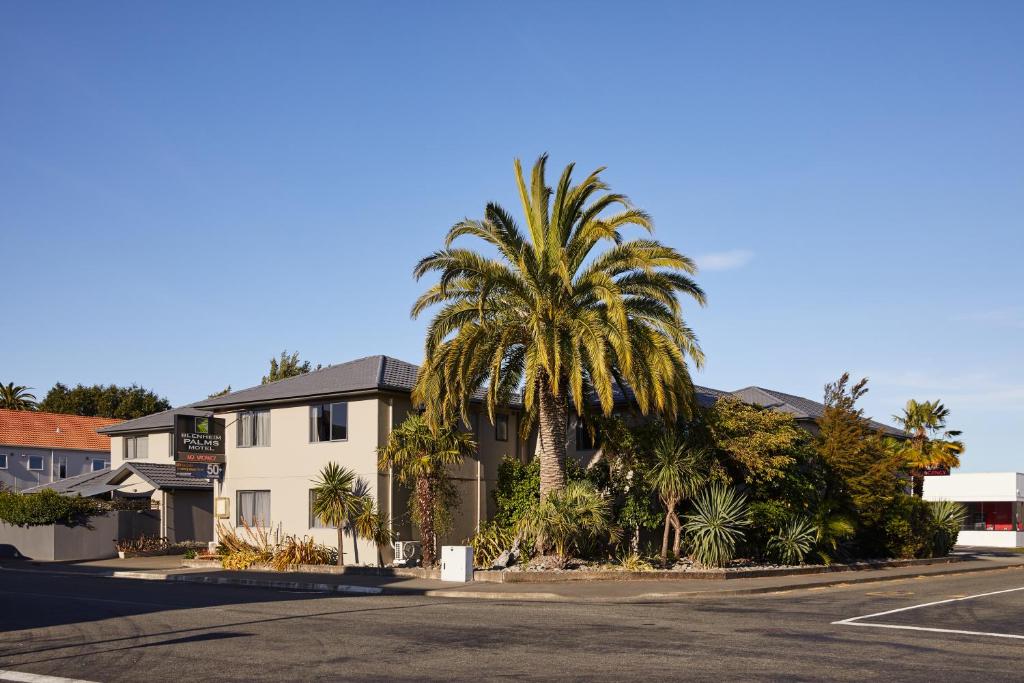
[[125, 403]]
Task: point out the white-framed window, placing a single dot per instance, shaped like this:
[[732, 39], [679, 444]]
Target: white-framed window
[[253, 429], [501, 427], [36, 463], [314, 521], [136, 447], [98, 465], [3, 461], [328, 422], [253, 508]]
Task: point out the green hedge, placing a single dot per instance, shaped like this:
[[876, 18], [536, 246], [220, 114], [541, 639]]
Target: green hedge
[[45, 507]]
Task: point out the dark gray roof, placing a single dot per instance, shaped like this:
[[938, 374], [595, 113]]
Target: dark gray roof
[[157, 422], [159, 475], [365, 374], [706, 396], [799, 407], [77, 485]]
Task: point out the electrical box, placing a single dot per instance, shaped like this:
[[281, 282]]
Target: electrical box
[[457, 563]]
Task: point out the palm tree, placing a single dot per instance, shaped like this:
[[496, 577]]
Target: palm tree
[[930, 444], [420, 454], [337, 500], [16, 397], [676, 474], [553, 315], [374, 525]]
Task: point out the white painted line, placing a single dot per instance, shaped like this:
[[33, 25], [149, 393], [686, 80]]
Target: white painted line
[[36, 678], [857, 621]]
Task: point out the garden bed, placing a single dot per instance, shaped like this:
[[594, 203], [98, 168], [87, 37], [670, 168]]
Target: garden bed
[[409, 572]]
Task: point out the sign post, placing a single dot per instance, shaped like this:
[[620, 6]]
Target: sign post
[[198, 447]]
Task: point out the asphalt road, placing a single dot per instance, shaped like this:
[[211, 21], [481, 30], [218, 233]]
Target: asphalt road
[[103, 629]]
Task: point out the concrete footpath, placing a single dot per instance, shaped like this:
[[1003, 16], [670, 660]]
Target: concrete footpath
[[169, 569]]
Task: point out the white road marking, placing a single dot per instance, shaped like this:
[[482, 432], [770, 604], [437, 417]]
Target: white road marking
[[23, 677], [858, 621]]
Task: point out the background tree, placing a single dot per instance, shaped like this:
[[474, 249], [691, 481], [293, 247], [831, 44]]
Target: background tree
[[16, 397], [864, 482], [677, 472], [288, 365], [754, 445], [222, 392], [337, 500], [125, 403], [930, 445], [554, 315], [420, 455]]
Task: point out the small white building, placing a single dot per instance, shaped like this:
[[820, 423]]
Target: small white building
[[995, 506]]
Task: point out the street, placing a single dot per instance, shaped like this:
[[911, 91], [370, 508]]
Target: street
[[103, 629]]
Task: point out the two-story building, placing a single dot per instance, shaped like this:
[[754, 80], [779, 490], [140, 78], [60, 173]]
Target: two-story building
[[40, 448]]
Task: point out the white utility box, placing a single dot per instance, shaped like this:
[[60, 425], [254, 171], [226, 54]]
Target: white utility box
[[456, 563]]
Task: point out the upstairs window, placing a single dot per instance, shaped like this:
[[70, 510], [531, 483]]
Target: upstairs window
[[36, 463], [136, 447], [328, 422], [98, 465], [253, 428], [3, 461], [501, 427]]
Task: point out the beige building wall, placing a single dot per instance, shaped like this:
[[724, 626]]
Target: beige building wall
[[290, 464], [158, 447]]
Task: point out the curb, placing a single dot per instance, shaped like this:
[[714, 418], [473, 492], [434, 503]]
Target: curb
[[252, 583]]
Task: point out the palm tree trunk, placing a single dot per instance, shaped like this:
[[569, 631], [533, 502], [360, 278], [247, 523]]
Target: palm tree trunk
[[678, 542], [664, 538], [341, 545], [553, 419], [425, 500]]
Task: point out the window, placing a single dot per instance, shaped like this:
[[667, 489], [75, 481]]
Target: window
[[586, 440], [136, 447], [253, 508], [3, 461], [328, 422], [314, 521], [253, 428], [501, 427], [62, 467], [98, 465], [35, 463]]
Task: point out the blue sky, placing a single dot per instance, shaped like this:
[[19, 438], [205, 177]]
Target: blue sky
[[187, 189]]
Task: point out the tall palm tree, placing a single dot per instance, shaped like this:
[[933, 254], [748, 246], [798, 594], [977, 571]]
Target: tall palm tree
[[337, 500], [930, 444], [16, 397], [677, 473], [555, 315], [420, 454]]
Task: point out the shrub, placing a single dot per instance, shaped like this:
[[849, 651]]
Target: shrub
[[633, 562], [792, 543], [947, 518], [567, 519], [241, 551], [46, 507], [715, 526], [489, 542], [908, 528], [294, 551], [142, 544], [191, 554]]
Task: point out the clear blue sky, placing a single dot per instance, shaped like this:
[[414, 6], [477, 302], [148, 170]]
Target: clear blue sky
[[187, 189]]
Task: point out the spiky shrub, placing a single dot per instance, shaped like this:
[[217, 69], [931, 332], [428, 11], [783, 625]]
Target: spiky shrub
[[242, 550], [490, 541], [716, 525], [947, 519], [568, 520], [294, 551], [793, 541], [633, 562]]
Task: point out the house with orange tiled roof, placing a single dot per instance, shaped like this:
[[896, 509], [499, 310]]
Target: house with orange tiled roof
[[40, 448]]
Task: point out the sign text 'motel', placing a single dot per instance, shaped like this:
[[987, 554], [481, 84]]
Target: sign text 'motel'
[[198, 439]]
